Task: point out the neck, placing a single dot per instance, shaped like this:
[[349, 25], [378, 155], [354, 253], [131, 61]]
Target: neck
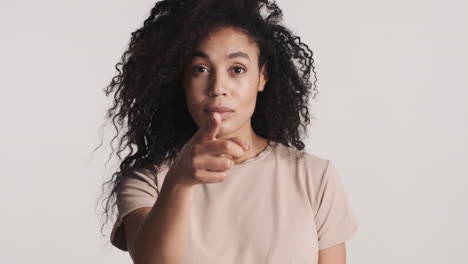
[[257, 144], [246, 134]]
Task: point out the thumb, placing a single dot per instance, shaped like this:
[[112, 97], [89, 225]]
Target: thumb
[[211, 130]]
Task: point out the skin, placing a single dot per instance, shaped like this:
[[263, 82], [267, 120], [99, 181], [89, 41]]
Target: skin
[[333, 255], [211, 78], [215, 78], [234, 82]]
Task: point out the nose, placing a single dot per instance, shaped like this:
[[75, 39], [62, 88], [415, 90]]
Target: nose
[[217, 86]]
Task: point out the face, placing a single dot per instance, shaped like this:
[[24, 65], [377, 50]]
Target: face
[[224, 72]]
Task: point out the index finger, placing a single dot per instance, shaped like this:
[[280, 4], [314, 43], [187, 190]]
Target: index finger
[[211, 130]]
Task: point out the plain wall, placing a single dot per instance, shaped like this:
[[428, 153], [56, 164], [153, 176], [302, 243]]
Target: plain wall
[[392, 112]]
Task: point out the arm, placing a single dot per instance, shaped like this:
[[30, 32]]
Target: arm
[[333, 255], [156, 235]]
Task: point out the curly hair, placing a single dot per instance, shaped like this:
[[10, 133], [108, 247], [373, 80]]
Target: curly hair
[[149, 101]]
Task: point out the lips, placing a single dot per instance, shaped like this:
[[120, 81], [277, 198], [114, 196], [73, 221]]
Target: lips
[[220, 109]]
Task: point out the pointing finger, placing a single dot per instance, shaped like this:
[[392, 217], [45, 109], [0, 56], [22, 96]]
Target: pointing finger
[[211, 130]]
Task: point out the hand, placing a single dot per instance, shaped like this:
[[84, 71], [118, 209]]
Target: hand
[[205, 159]]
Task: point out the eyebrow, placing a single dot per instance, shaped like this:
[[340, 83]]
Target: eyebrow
[[238, 54]]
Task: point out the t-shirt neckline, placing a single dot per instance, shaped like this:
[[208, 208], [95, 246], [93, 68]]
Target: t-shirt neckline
[[259, 156]]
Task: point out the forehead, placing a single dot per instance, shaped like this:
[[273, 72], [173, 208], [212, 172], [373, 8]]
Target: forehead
[[228, 43]]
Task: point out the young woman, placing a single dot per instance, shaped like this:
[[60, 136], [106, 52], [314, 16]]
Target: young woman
[[212, 95]]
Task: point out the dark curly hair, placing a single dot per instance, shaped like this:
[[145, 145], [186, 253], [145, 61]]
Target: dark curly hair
[[149, 100]]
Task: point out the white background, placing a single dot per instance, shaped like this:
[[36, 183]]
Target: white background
[[392, 112]]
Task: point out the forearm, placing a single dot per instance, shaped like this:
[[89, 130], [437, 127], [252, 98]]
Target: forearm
[[161, 237]]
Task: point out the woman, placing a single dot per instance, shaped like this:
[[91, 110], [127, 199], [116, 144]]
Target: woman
[[213, 95]]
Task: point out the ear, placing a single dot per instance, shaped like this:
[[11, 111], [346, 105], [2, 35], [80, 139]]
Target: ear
[[263, 77]]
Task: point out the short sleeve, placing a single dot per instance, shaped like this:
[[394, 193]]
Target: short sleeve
[[334, 217], [136, 190]]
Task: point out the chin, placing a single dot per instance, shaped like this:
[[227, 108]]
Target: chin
[[225, 128]]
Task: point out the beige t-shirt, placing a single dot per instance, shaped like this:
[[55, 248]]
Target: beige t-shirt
[[280, 206]]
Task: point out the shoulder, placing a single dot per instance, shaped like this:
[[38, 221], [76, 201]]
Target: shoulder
[[148, 179], [304, 160], [312, 170]]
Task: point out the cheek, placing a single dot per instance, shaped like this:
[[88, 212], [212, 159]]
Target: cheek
[[247, 89], [194, 90], [247, 96], [193, 106], [246, 104]]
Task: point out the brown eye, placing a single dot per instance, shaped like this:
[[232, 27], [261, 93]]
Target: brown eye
[[238, 69], [199, 69]]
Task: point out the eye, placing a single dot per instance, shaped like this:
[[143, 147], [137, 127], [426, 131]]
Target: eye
[[238, 69], [199, 69]]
